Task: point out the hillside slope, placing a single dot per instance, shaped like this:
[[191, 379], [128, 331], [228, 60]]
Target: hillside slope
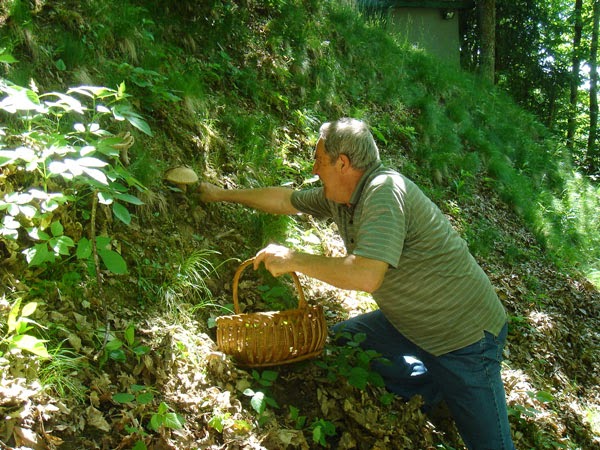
[[237, 91]]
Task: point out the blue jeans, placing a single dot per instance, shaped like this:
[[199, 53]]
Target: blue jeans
[[468, 379]]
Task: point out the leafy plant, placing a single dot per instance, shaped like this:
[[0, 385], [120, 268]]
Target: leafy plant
[[298, 420], [16, 335], [64, 146], [140, 394], [260, 399], [221, 421], [352, 363], [321, 430], [164, 418], [117, 349]]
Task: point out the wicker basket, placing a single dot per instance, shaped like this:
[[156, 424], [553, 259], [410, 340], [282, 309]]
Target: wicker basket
[[272, 338]]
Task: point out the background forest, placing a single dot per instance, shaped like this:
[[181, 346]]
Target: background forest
[[112, 277]]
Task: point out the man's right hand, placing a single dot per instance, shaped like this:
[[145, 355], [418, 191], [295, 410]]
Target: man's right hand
[[208, 192]]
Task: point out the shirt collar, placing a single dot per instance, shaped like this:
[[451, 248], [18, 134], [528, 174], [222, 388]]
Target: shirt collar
[[361, 183]]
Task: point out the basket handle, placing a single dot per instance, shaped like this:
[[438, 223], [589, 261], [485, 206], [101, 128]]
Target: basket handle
[[236, 304]]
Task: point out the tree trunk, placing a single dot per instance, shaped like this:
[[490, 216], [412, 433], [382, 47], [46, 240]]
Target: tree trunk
[[575, 78], [486, 18], [592, 156]]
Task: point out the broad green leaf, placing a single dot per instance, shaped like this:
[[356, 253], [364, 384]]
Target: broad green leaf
[[121, 213], [124, 112], [216, 422], [105, 198], [29, 309], [8, 59], [123, 397], [38, 234], [30, 344], [73, 166], [318, 435], [38, 255], [544, 397], [118, 355], [173, 420], [26, 154], [28, 211], [258, 402], [155, 422], [11, 322], [129, 198], [66, 102], [141, 125], [114, 344], [13, 209], [145, 398], [61, 245], [84, 248], [163, 408], [105, 146], [57, 229], [21, 198], [60, 65], [103, 242], [269, 375], [130, 334], [10, 223], [96, 174], [7, 156], [113, 261], [21, 99], [57, 167], [141, 350], [9, 233], [88, 161], [92, 91], [358, 377], [87, 149]]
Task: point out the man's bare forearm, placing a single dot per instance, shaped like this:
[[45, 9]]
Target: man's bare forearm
[[274, 200], [350, 272]]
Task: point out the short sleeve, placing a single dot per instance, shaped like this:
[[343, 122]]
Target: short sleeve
[[313, 202]]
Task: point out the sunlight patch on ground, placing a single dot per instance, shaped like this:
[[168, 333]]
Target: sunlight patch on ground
[[542, 321]]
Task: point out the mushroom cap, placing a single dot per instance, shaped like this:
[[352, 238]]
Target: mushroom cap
[[181, 175]]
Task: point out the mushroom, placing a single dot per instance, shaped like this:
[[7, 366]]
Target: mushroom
[[181, 177]]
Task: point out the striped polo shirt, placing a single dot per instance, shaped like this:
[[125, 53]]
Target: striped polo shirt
[[434, 292]]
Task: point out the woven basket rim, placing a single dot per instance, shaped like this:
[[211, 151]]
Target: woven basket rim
[[240, 335]]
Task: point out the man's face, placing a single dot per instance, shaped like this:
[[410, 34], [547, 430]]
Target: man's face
[[327, 171]]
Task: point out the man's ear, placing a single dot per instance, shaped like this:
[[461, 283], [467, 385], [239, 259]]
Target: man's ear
[[345, 162]]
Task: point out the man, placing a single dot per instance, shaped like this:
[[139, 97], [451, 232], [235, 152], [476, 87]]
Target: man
[[439, 321]]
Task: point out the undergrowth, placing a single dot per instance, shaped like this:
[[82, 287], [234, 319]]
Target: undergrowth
[[98, 101]]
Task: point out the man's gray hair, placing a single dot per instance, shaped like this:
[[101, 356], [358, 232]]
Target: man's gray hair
[[352, 138]]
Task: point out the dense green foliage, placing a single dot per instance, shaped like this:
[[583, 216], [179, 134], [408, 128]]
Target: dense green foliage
[[236, 90], [535, 61], [250, 83]]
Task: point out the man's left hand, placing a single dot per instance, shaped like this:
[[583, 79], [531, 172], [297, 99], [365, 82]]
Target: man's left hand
[[276, 258]]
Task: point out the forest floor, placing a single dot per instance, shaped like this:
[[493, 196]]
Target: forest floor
[[171, 373]]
